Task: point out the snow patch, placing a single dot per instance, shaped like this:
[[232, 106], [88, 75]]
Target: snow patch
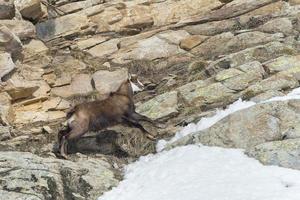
[[197, 172]]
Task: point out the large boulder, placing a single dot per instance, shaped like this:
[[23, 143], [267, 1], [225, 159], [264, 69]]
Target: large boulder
[[199, 94], [264, 122], [161, 106], [281, 153], [27, 176], [107, 82]]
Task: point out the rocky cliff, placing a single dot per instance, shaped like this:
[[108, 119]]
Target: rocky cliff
[[192, 56]]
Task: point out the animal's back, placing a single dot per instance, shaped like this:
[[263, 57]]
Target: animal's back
[[101, 114]]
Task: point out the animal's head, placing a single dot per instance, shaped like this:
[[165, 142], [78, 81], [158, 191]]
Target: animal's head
[[136, 85]]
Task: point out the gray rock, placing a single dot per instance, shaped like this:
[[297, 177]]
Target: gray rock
[[158, 46], [266, 95], [281, 153], [228, 43], [4, 133], [160, 106], [247, 128], [27, 176], [277, 82], [6, 65], [212, 28], [282, 63], [7, 9], [5, 109], [280, 25], [261, 53], [241, 77], [199, 93]]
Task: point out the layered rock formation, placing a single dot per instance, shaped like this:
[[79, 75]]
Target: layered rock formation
[[192, 56]]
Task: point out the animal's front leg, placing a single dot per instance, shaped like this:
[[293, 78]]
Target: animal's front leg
[[136, 124]]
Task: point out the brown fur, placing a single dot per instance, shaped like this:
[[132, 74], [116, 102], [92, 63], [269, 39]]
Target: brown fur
[[100, 114]]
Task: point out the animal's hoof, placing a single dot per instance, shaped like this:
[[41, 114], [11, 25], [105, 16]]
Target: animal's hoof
[[151, 137], [64, 156], [61, 156]]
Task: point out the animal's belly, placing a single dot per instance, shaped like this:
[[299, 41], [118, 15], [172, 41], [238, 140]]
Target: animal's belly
[[101, 123]]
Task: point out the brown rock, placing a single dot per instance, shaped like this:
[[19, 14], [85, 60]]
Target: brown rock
[[192, 41], [55, 103], [90, 42], [33, 48], [105, 48], [294, 2], [23, 29], [20, 88], [30, 9]]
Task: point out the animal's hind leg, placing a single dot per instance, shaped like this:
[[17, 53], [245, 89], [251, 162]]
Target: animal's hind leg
[[76, 132], [136, 124]]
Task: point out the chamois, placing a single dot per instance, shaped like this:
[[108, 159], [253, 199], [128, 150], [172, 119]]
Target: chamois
[[100, 114]]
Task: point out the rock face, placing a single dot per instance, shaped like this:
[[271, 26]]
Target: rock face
[[193, 57], [50, 178]]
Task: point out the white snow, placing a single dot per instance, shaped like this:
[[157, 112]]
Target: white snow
[[197, 172], [205, 173], [207, 122]]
